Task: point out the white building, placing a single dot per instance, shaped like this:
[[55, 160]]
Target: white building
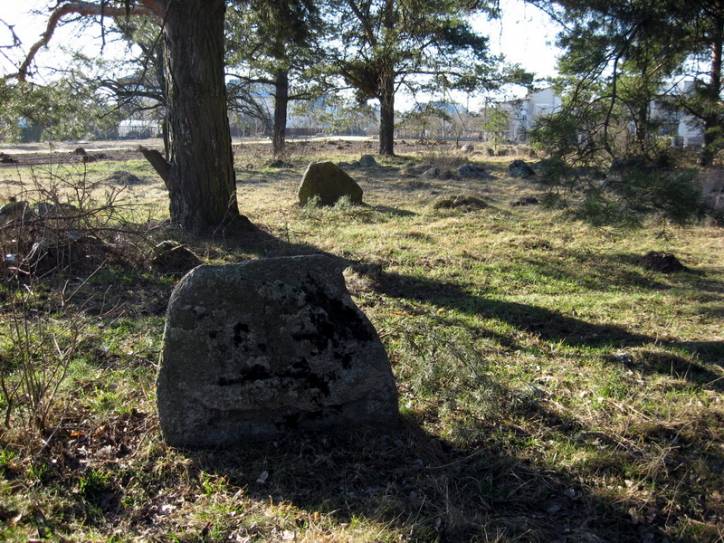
[[139, 128], [525, 112], [684, 129]]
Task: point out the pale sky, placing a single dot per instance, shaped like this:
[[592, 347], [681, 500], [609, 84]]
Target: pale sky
[[524, 35]]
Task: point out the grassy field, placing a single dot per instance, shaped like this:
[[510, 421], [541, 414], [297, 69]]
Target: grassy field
[[552, 388]]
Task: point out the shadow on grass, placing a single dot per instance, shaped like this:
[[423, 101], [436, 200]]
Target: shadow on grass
[[553, 326], [596, 271], [427, 488]]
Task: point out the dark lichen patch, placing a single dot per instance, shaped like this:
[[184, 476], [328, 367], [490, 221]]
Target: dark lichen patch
[[341, 320], [299, 371], [254, 373], [239, 328]]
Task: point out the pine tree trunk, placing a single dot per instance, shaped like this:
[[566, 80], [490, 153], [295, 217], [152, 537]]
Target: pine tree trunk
[[712, 122], [387, 115], [202, 183], [281, 100]]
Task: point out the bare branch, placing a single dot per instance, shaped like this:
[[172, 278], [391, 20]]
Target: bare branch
[[150, 8]]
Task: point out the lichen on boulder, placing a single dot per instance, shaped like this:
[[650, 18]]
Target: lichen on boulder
[[254, 350]]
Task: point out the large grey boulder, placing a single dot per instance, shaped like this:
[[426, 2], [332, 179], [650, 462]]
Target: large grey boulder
[[253, 350], [327, 182]]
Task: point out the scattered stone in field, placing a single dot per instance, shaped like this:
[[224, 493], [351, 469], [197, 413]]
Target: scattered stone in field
[[278, 163], [48, 210], [462, 202], [468, 148], [254, 350], [519, 168], [328, 183], [121, 177], [173, 258], [490, 151], [14, 210], [472, 171], [437, 173], [662, 262], [72, 251], [367, 161], [7, 159], [501, 152], [525, 201], [431, 173], [80, 151]]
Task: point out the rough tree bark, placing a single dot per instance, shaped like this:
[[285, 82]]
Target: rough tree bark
[[202, 180], [387, 115], [199, 173], [281, 102], [387, 86]]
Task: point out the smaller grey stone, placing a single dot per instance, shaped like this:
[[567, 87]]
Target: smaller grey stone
[[7, 159], [367, 161], [170, 257], [462, 202], [72, 251], [326, 182], [525, 201], [472, 171], [278, 163], [49, 210], [121, 177], [13, 211], [431, 173], [80, 151], [468, 148], [519, 168]]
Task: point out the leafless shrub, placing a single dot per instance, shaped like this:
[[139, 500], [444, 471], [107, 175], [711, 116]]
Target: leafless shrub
[[39, 344], [59, 225], [63, 222]]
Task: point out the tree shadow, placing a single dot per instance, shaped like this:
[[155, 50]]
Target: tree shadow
[[547, 324], [428, 488], [553, 326], [620, 270]]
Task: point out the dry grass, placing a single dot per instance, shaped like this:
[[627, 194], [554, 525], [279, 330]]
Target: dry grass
[[553, 389]]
